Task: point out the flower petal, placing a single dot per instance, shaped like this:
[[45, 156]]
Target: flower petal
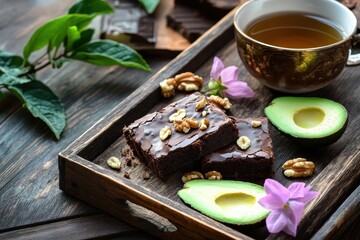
[[276, 221], [229, 74], [308, 197], [290, 229], [295, 212], [300, 193], [238, 89], [216, 68], [297, 190], [277, 190], [272, 203]]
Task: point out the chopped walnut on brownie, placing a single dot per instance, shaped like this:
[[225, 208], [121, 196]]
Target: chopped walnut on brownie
[[165, 153], [250, 158]]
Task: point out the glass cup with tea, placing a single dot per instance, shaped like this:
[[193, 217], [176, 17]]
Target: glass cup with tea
[[294, 46]]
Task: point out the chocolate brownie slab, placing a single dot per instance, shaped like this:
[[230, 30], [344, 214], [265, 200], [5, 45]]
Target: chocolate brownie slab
[[180, 149], [252, 164]]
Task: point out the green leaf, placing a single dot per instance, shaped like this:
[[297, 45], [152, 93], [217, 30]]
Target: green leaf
[[91, 7], [9, 80], [109, 53], [11, 68], [73, 36], [42, 103], [149, 5], [9, 60], [54, 32], [85, 37]]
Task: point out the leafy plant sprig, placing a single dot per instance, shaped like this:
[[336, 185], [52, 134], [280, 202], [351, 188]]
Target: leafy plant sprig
[[65, 38]]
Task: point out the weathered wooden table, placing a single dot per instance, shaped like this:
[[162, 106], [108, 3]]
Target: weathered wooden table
[[31, 204]]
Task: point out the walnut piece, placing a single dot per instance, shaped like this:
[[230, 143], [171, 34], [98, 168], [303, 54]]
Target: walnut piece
[[180, 114], [168, 87], [184, 125], [114, 163], [298, 167], [201, 104], [204, 124], [146, 175], [243, 142], [204, 113], [255, 124], [222, 102], [191, 176], [188, 82], [213, 175], [164, 133]]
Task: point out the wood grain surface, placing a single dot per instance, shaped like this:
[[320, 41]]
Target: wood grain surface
[[29, 192], [336, 165], [31, 204]]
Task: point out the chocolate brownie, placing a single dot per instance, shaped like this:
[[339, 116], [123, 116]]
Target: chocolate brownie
[[252, 164], [179, 150]]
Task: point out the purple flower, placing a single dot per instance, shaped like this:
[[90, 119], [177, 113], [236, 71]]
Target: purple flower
[[224, 82], [286, 205]]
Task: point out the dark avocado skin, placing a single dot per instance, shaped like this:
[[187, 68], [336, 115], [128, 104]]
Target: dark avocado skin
[[324, 141]]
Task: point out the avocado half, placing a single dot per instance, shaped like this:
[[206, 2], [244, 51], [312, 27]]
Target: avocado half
[[227, 201], [308, 120]]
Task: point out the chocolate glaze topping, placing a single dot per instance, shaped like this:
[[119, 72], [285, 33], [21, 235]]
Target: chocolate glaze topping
[[261, 144], [146, 129]]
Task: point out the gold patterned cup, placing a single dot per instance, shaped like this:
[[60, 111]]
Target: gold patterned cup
[[294, 70]]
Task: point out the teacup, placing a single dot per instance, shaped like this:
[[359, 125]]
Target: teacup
[[288, 69]]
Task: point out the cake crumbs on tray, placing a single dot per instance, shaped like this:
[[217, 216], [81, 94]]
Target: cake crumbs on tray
[[127, 175]]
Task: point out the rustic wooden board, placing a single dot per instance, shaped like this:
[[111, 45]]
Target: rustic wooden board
[[347, 214], [153, 204], [29, 192]]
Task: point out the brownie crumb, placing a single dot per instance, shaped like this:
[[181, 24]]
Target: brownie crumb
[[127, 175], [128, 154], [128, 161]]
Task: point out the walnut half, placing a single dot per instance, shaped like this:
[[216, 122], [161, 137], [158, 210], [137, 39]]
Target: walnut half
[[184, 125], [191, 176], [213, 175], [221, 102], [168, 87], [188, 82], [298, 167]]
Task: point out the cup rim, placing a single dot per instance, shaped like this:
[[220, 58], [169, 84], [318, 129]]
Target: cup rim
[[345, 39]]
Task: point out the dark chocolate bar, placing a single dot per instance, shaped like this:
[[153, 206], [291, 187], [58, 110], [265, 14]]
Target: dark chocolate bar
[[130, 24]]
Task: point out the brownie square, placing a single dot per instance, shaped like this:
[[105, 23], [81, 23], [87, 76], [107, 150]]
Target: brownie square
[[253, 164], [179, 150]]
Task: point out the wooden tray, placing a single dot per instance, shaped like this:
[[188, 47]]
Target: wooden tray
[[153, 205]]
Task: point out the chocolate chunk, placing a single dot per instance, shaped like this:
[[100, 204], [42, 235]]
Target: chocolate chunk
[[189, 22], [214, 9], [130, 24]]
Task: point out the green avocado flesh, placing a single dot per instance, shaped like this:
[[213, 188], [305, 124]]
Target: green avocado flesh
[[227, 201], [308, 118]]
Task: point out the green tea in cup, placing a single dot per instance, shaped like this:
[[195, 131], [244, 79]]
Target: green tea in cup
[[294, 30], [294, 46]]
